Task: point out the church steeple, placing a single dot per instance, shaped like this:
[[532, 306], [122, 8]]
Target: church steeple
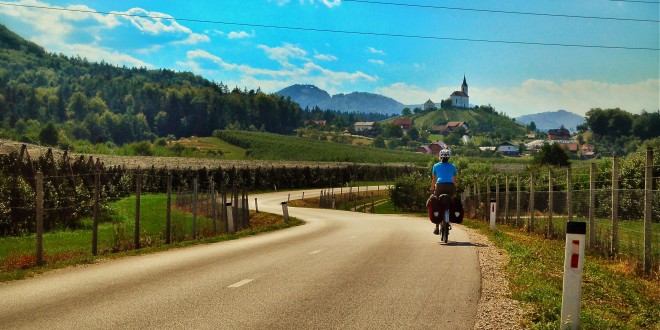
[[464, 87]]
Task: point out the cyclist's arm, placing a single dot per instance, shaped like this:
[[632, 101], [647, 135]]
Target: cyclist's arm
[[435, 179]]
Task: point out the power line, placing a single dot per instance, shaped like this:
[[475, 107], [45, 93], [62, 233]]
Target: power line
[[638, 1], [293, 28], [503, 11]]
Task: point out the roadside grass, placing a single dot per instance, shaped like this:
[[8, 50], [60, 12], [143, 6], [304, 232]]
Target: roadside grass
[[613, 297], [116, 238]]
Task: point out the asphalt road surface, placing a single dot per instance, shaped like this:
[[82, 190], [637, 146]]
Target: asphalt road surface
[[341, 270]]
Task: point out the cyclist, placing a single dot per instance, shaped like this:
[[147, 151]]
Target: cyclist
[[444, 178]]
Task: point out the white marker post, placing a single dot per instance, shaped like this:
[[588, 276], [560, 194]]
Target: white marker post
[[493, 213], [573, 268], [230, 218], [285, 212]]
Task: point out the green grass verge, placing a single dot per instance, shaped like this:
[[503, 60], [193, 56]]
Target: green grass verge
[[612, 296], [116, 238]]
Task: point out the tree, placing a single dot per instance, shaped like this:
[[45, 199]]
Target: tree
[[552, 154], [49, 135], [413, 133], [406, 112], [77, 108], [532, 126], [379, 142]]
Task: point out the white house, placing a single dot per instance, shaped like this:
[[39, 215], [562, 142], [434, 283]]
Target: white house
[[363, 125], [460, 99], [507, 148]]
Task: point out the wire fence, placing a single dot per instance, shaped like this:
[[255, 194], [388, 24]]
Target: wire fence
[[622, 212]]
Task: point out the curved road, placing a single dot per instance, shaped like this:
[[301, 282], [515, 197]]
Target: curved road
[[341, 270]]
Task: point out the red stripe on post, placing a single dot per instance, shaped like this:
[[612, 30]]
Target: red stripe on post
[[575, 256]]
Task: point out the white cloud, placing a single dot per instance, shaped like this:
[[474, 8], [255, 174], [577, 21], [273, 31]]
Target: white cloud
[[325, 57], [284, 53], [327, 3], [193, 39], [533, 96], [240, 35], [375, 51], [205, 63], [377, 62]]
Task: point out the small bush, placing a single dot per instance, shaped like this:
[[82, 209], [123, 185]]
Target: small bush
[[411, 192]]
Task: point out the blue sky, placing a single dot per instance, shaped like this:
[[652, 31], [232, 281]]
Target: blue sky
[[228, 41]]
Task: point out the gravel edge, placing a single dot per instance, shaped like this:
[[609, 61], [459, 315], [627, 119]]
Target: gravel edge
[[496, 309]]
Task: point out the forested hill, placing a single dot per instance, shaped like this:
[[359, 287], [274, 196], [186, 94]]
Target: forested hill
[[101, 102]]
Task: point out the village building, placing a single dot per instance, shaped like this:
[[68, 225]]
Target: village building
[[429, 105], [433, 148], [362, 126], [451, 126], [559, 134], [404, 123], [508, 148]]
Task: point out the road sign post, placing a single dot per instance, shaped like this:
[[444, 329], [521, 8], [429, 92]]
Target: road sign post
[[573, 269]]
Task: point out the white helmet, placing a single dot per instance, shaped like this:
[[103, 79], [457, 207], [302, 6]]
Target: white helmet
[[445, 153]]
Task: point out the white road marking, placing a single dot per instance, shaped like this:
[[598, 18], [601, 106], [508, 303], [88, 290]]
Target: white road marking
[[241, 283], [315, 252]]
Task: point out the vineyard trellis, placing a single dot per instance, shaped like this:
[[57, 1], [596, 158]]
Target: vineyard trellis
[[67, 193], [617, 201]]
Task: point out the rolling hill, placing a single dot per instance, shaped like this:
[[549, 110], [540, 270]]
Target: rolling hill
[[552, 120]]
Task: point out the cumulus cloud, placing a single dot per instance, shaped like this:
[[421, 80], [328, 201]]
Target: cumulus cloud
[[533, 96], [377, 62], [203, 62], [240, 35], [283, 54], [375, 51], [325, 57]]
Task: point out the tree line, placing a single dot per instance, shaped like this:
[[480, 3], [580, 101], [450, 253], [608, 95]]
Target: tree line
[[102, 103]]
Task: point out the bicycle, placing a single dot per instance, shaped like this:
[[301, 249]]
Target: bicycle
[[442, 205]]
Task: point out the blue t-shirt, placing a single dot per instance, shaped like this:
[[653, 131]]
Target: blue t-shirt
[[445, 172]]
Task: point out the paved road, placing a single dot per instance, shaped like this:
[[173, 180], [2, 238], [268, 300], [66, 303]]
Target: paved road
[[341, 270]]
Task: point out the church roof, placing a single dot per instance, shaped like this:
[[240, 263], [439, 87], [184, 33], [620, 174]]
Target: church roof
[[458, 93]]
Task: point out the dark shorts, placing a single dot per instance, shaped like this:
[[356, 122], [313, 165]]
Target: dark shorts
[[445, 188]]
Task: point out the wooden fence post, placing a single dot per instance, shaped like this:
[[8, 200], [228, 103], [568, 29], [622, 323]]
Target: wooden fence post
[[569, 192], [168, 214], [506, 200], [648, 203], [615, 206], [138, 191], [487, 201], [40, 217], [530, 227], [213, 207], [592, 204], [194, 209], [95, 226], [550, 205], [497, 197], [518, 187]]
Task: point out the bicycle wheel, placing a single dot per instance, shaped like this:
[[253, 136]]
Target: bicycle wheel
[[445, 232]]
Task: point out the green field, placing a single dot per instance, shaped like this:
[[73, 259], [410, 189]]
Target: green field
[[70, 247], [268, 146]]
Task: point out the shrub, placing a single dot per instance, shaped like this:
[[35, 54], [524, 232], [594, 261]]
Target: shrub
[[411, 192]]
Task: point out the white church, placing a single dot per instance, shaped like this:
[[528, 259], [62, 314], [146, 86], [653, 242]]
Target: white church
[[461, 99]]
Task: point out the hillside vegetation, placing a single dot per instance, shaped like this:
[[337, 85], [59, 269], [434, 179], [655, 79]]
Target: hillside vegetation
[[482, 120], [265, 146]]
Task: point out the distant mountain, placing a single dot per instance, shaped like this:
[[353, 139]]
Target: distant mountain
[[310, 96], [552, 119]]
